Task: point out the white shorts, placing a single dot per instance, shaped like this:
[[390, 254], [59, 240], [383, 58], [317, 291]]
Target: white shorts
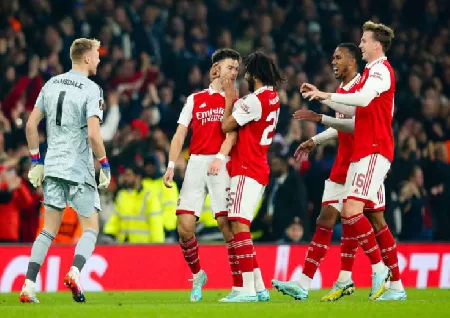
[[197, 184], [365, 181], [334, 194], [245, 194]]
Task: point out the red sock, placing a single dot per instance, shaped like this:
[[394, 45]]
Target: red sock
[[363, 231], [317, 250], [190, 252], [243, 246], [234, 264], [349, 246], [388, 251]]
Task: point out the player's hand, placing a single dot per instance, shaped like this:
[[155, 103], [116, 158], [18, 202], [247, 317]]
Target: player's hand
[[316, 95], [306, 87], [214, 167], [307, 115], [168, 178], [304, 149], [36, 174], [105, 174], [228, 87], [214, 72]]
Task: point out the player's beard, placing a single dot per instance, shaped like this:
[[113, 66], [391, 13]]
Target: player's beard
[[251, 84]]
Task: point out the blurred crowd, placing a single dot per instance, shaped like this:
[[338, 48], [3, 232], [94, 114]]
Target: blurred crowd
[[155, 53]]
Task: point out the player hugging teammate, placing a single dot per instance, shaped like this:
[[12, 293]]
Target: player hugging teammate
[[248, 129]]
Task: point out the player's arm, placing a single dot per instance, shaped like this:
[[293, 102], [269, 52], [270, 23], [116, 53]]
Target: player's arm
[[306, 147], [94, 114], [378, 81], [245, 111], [36, 173], [345, 125], [32, 132], [225, 149], [325, 135], [229, 123], [340, 108], [176, 145], [340, 124]]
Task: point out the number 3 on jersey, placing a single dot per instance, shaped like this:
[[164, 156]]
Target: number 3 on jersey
[[265, 140]]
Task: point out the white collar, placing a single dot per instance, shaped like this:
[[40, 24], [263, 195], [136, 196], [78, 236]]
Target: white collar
[[212, 91], [351, 83], [369, 65], [261, 89]]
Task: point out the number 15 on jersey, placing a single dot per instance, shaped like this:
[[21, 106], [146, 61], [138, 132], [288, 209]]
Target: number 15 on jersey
[[272, 117]]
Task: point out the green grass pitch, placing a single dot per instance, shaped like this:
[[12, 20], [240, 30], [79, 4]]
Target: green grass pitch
[[421, 303]]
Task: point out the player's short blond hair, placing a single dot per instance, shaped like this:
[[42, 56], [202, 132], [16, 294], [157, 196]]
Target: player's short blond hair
[[80, 47], [381, 33]]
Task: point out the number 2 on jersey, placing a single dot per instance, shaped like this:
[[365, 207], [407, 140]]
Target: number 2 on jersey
[[59, 106], [265, 141]]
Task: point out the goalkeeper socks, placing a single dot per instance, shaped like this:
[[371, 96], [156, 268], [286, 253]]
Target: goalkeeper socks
[[38, 253], [234, 264], [317, 250], [84, 248], [349, 247], [244, 252], [362, 229], [389, 252], [257, 275], [190, 252]]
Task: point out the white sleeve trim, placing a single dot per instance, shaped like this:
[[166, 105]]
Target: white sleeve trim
[[341, 124], [328, 134], [186, 113]]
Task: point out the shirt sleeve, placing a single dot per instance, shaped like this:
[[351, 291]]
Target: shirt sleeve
[[379, 79], [186, 113], [328, 134], [94, 104], [341, 124], [247, 109]]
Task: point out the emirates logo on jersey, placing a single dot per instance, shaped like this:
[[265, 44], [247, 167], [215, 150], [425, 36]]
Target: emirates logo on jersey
[[210, 115]]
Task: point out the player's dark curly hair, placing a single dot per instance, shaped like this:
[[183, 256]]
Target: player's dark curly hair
[[263, 68]]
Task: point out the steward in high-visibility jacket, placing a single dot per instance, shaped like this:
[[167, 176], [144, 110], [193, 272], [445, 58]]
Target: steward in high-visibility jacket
[[167, 196], [137, 216]]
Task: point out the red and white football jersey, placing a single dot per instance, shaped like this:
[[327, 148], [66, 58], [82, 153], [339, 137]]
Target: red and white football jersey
[[345, 140], [203, 112], [257, 115], [373, 123]]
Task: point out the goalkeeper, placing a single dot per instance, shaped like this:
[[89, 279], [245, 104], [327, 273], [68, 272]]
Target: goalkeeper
[[72, 105]]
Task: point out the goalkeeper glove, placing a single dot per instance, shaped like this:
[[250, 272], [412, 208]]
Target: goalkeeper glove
[[105, 174], [36, 173]]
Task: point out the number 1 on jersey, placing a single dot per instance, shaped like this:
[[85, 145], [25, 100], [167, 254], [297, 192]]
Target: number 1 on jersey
[[265, 141], [61, 96]]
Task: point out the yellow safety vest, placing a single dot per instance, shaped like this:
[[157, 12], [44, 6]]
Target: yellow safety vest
[[137, 217], [168, 198]]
